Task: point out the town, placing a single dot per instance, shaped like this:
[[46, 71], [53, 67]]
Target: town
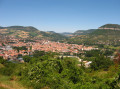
[[11, 48]]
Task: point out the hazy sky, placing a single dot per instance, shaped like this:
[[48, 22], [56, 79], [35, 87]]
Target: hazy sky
[[59, 15]]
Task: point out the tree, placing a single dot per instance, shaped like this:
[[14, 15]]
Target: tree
[[101, 62], [26, 58], [38, 53], [2, 61]]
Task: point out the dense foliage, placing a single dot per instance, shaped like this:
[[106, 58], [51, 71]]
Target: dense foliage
[[46, 70], [20, 48]]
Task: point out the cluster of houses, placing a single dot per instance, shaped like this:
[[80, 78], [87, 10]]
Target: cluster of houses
[[7, 50], [59, 47]]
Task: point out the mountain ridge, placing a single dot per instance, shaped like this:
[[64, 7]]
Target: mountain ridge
[[110, 26], [29, 32], [90, 37], [99, 37]]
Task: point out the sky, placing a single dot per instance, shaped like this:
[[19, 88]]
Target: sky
[[59, 15]]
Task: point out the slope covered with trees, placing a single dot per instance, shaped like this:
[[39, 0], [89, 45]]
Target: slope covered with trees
[[43, 71], [30, 33], [99, 36], [83, 32], [115, 26]]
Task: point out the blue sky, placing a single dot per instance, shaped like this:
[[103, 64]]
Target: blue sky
[[59, 15]]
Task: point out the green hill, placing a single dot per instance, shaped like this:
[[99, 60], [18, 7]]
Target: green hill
[[110, 26], [99, 36], [83, 32], [30, 32]]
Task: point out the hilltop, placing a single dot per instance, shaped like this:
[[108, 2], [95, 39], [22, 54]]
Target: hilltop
[[29, 32], [110, 26]]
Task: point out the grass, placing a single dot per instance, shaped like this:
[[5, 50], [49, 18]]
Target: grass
[[1, 65], [2, 87], [111, 47], [111, 73], [6, 83]]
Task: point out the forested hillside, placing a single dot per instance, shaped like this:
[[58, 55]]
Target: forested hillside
[[110, 26], [84, 32], [30, 33], [99, 36]]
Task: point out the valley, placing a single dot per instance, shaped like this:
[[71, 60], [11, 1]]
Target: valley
[[33, 59]]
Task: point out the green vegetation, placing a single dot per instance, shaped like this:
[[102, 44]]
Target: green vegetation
[[46, 70], [30, 33], [20, 48], [87, 37], [101, 62], [110, 26], [30, 28], [53, 36], [84, 32], [7, 78], [98, 37]]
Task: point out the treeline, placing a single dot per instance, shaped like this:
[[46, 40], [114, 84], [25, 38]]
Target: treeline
[[47, 70]]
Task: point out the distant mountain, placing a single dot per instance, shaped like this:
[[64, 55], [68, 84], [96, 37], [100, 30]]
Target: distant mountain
[[83, 32], [102, 35], [66, 33], [79, 32], [1, 27], [30, 33], [108, 34], [51, 31]]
